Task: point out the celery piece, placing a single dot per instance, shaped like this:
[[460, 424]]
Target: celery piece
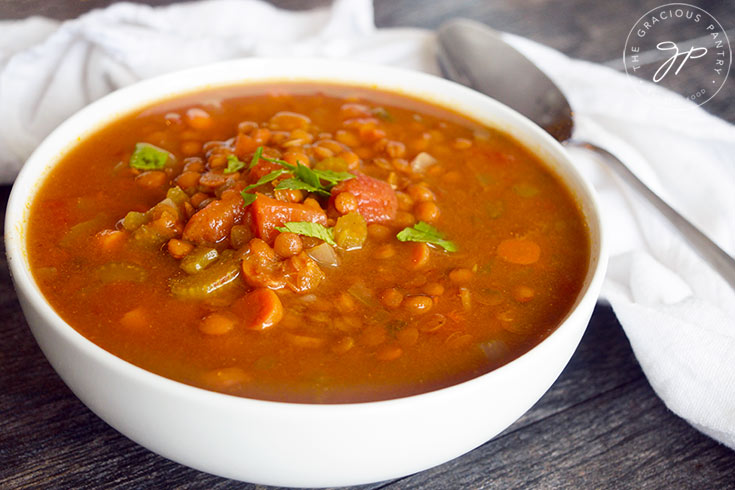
[[350, 231], [82, 231], [524, 189], [149, 237], [177, 195], [198, 259], [133, 220], [207, 282], [121, 271]]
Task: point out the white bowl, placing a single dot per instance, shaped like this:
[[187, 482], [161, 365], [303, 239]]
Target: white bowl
[[293, 444]]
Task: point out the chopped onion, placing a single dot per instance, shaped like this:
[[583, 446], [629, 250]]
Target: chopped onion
[[363, 294], [422, 161], [324, 254], [481, 134]]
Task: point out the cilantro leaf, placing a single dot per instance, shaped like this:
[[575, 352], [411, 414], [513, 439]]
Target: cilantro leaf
[[270, 177], [148, 157], [424, 232], [307, 228], [256, 156], [248, 198], [233, 164]]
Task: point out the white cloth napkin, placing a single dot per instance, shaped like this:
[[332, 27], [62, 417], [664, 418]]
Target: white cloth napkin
[[677, 313]]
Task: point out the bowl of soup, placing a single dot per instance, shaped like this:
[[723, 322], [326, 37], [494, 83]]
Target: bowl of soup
[[304, 272]]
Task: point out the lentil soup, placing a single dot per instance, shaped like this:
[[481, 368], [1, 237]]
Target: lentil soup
[[307, 243]]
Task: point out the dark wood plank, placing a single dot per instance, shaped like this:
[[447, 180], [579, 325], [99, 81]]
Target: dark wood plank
[[603, 362], [622, 438]]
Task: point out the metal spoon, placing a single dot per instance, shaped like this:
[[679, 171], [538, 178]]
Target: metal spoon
[[474, 55]]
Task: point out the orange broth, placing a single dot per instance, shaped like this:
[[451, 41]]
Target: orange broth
[[393, 318]]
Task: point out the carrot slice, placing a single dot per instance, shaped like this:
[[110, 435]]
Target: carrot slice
[[135, 319], [519, 251], [154, 179], [217, 323], [110, 239], [259, 309]]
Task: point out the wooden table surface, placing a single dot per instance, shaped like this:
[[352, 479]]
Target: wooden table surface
[[599, 426]]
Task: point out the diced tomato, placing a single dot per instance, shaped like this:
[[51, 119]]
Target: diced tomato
[[214, 222], [269, 213], [262, 268], [262, 168], [302, 273], [376, 200]]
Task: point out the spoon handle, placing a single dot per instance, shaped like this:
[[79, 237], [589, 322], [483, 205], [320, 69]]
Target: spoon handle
[[708, 250]]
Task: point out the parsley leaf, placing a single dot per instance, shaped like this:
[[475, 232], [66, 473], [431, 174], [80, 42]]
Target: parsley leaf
[[248, 198], [256, 156], [233, 164], [383, 114], [307, 228], [270, 177], [283, 163], [307, 175], [306, 178], [148, 157], [333, 177], [424, 232], [300, 184]]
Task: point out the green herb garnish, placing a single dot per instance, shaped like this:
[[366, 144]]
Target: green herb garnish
[[309, 178], [332, 176], [233, 164], [300, 184], [270, 177], [256, 157], [148, 157], [304, 178], [308, 228], [248, 198], [383, 114], [424, 232]]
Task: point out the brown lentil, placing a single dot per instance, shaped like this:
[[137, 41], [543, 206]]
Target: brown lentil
[[391, 298], [417, 305]]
